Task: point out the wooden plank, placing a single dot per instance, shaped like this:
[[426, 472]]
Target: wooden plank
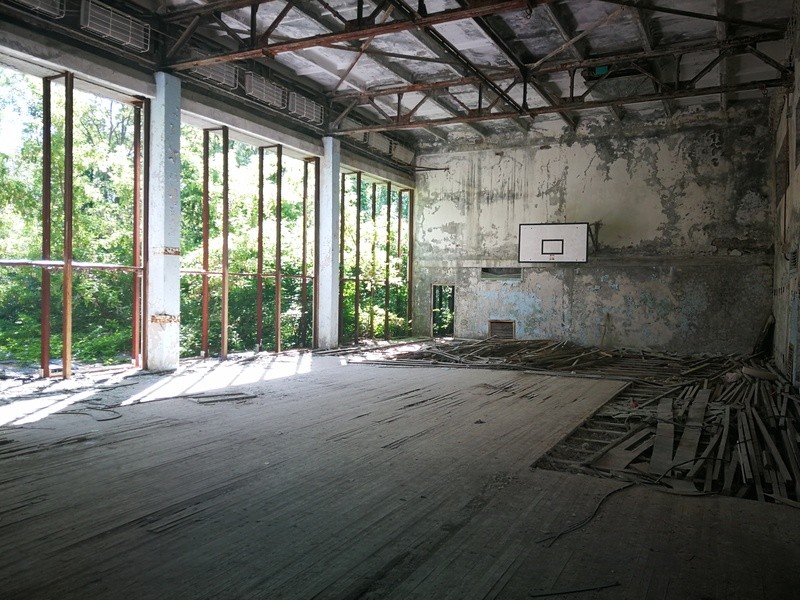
[[661, 460], [743, 448], [773, 449], [687, 446], [622, 455], [726, 422], [698, 464], [730, 473], [754, 449]]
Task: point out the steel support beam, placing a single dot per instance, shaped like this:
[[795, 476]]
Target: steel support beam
[[356, 33], [655, 97]]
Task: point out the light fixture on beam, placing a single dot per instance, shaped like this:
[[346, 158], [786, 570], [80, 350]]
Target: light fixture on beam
[[266, 91], [51, 8], [221, 73], [115, 25], [303, 108]]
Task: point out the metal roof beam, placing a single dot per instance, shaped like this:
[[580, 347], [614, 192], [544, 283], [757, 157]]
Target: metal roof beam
[[577, 49], [684, 92], [354, 32]]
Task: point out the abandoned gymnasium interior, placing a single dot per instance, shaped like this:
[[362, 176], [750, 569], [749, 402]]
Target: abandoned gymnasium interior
[[399, 299]]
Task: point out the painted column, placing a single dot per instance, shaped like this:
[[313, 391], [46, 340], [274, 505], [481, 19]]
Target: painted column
[[162, 311], [327, 262]]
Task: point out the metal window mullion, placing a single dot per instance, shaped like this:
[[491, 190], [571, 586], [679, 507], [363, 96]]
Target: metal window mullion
[[223, 353], [357, 299], [278, 227], [137, 247], [341, 259], [205, 291], [260, 256], [304, 262], [373, 261], [47, 199], [315, 299], [66, 336], [386, 295], [410, 255]]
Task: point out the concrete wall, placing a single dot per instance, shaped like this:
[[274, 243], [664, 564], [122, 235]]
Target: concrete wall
[[684, 260]]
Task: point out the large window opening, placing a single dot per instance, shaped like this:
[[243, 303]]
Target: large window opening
[[374, 242], [70, 198], [247, 246]]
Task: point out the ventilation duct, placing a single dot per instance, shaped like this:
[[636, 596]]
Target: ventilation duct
[[401, 153], [379, 142], [266, 91], [114, 25], [306, 109], [360, 137], [51, 8], [221, 73]]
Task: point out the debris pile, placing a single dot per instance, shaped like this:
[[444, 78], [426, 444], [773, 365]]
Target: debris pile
[[723, 424], [736, 438], [549, 355]]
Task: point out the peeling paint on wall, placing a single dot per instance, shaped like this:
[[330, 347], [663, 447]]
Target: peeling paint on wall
[[685, 225]]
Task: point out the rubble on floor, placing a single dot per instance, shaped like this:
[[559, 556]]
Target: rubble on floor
[[722, 424]]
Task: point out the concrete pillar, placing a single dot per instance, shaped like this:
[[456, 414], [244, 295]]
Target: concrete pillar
[[162, 311], [328, 260]]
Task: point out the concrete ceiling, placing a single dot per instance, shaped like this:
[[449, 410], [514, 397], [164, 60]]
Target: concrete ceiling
[[436, 69]]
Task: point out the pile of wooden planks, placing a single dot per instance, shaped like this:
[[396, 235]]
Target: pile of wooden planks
[[736, 437], [697, 424], [549, 355]]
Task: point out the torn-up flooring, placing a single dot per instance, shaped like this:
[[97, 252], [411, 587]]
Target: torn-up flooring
[[299, 476]]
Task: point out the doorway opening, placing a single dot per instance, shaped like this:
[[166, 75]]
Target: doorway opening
[[443, 306]]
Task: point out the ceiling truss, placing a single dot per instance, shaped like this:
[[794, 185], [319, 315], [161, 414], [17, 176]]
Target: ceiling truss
[[436, 82]]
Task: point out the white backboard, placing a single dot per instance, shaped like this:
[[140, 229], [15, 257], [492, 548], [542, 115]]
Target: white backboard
[[553, 242]]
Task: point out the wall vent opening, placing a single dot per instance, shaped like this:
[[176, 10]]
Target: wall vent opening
[[504, 330], [793, 260], [507, 273]]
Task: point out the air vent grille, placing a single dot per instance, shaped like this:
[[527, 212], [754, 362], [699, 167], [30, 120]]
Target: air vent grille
[[266, 91], [51, 8], [306, 109], [379, 142], [115, 25], [503, 330], [401, 153], [222, 73]]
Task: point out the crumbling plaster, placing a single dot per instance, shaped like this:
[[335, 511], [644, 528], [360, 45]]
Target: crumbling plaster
[[684, 216]]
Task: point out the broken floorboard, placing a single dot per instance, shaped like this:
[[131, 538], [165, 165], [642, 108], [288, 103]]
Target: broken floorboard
[[302, 490], [359, 482]]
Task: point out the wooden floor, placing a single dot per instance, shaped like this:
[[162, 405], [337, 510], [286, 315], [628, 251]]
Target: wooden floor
[[349, 481]]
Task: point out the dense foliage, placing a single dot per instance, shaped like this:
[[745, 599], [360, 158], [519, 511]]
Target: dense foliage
[[103, 233]]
